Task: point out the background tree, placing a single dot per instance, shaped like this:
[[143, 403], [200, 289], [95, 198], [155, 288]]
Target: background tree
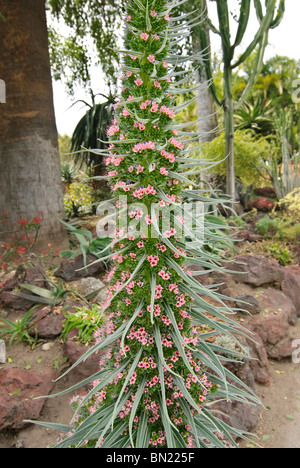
[[93, 28], [268, 19], [29, 160]]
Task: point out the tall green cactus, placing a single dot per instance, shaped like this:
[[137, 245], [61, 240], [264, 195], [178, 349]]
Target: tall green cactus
[[268, 18]]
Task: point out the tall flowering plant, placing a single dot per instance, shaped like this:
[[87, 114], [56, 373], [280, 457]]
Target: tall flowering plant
[[158, 371]]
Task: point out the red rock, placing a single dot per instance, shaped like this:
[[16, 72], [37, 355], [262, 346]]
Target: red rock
[[291, 285], [255, 270], [18, 388], [264, 205], [75, 350]]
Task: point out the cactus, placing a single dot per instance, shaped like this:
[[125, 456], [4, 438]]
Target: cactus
[[269, 19], [161, 370]]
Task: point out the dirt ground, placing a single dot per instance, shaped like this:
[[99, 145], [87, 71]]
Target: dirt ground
[[279, 425]]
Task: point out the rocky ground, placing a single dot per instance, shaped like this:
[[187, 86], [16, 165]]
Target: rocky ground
[[270, 295]]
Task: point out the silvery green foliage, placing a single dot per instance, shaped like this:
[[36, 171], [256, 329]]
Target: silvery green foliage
[[161, 373]]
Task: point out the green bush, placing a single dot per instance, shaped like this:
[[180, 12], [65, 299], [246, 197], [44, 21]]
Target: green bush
[[250, 152], [79, 199], [267, 226]]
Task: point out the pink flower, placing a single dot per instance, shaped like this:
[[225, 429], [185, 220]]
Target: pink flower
[[144, 36], [167, 18], [140, 244], [164, 171], [156, 37], [154, 107], [153, 13], [157, 84], [165, 64], [151, 58], [133, 57], [128, 18], [145, 104], [139, 82]]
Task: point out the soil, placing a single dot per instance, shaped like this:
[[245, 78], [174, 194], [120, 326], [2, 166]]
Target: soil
[[55, 410]]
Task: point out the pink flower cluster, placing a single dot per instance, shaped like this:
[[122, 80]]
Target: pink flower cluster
[[145, 104], [153, 259], [114, 160], [164, 275], [141, 335], [164, 171], [139, 125], [112, 130], [143, 146], [167, 111], [169, 156], [177, 144], [144, 191]]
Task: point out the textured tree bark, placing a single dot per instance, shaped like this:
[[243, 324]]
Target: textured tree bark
[[30, 179]]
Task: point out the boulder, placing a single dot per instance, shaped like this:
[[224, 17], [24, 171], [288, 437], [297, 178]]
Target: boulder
[[263, 205], [93, 286], [34, 276], [48, 322], [248, 304], [75, 350], [266, 192], [237, 414], [259, 364], [18, 388], [72, 270], [256, 270], [274, 333], [291, 286]]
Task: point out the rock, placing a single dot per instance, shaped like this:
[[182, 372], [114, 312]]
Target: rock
[[75, 350], [47, 323], [72, 270], [255, 270], [277, 303], [240, 415], [11, 300], [274, 333], [263, 205], [91, 285], [34, 276], [259, 364], [248, 303], [203, 277], [18, 388], [222, 283], [266, 192], [291, 285]]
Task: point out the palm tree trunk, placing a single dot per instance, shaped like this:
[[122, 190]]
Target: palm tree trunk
[[29, 160]]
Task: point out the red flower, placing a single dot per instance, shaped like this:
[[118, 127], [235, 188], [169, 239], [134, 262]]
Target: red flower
[[23, 222], [37, 220], [21, 250]]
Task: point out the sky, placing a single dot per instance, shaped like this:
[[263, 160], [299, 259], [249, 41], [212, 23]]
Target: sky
[[283, 40]]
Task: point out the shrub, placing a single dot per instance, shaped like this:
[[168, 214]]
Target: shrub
[[79, 199], [267, 226], [250, 151], [291, 204], [86, 320]]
